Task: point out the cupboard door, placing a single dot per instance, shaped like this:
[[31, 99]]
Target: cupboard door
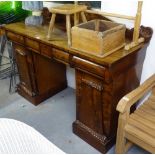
[[26, 70], [51, 75], [89, 101]]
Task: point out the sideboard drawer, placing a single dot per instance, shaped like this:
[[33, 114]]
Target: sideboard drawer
[[15, 37], [46, 50], [88, 66], [60, 55], [34, 45]]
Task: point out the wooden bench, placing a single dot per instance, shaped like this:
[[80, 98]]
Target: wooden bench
[[138, 127]]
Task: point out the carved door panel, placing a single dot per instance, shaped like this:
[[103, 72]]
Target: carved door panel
[[89, 101], [26, 70]]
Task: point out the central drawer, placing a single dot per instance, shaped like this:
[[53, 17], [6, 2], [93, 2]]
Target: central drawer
[[46, 50], [54, 53]]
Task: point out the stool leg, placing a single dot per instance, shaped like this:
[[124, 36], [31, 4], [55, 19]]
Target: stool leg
[[97, 24], [68, 26], [51, 26], [76, 19], [84, 19]]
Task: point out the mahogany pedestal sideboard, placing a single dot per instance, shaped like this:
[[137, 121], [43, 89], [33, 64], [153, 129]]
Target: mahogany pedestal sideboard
[[100, 82]]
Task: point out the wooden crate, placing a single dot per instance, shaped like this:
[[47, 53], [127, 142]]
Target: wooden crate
[[98, 37]]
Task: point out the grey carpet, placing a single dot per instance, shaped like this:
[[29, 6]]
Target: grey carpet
[[53, 118]]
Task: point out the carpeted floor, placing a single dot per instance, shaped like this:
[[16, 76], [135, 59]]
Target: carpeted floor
[[53, 118]]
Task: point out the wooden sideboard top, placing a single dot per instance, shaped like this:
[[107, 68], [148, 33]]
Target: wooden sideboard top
[[59, 41]]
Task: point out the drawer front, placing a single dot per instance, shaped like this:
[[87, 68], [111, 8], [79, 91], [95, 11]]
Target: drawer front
[[88, 66], [46, 50], [61, 56], [32, 44], [15, 37]]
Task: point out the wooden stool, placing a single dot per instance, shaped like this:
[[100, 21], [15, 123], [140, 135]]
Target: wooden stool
[[67, 9]]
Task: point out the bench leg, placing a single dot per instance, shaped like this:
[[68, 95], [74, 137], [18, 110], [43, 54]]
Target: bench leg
[[121, 140], [51, 26]]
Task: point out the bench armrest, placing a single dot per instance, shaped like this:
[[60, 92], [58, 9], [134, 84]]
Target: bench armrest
[[131, 98]]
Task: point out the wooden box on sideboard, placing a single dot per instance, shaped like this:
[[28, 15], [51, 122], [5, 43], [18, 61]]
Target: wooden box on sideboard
[[98, 37]]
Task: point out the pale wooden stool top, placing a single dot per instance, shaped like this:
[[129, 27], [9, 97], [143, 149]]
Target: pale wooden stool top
[[68, 9]]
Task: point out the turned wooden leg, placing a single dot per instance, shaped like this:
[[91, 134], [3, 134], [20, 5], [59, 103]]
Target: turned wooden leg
[[121, 140], [97, 24], [68, 26], [137, 22], [51, 25], [76, 19], [84, 19]]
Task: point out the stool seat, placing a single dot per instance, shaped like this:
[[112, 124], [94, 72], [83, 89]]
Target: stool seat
[[68, 9]]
